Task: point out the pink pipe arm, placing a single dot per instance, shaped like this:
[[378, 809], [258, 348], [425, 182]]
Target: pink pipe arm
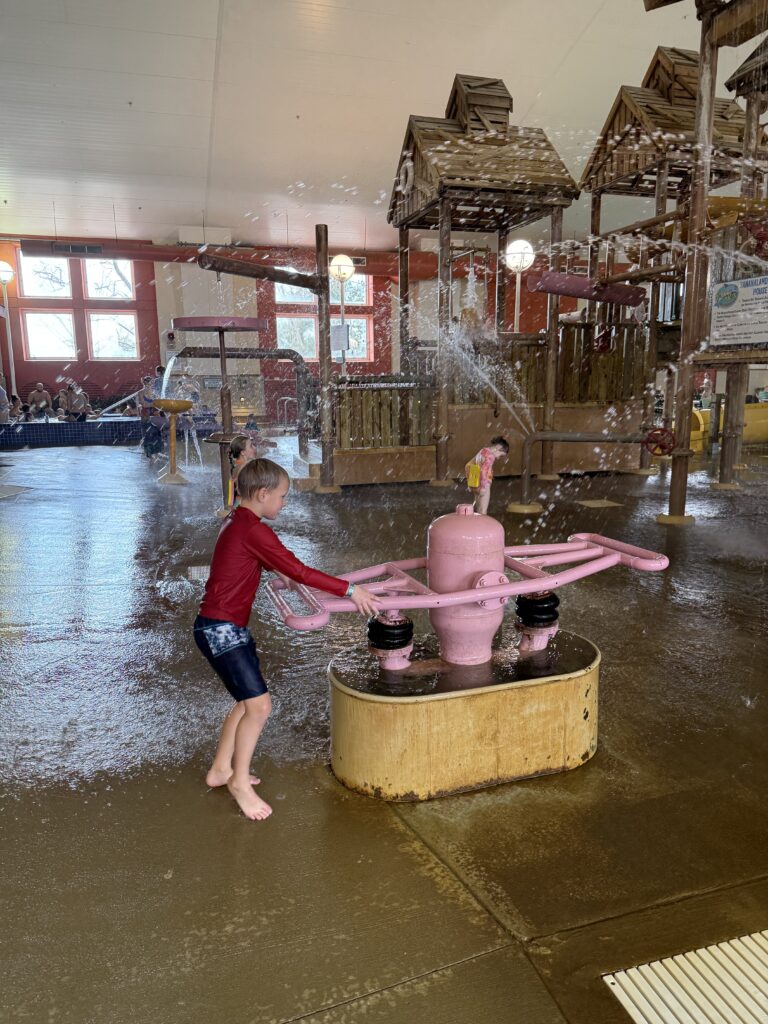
[[594, 551], [402, 602], [631, 556]]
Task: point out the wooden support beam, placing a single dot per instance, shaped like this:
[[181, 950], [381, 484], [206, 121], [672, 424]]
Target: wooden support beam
[[501, 283], [443, 341], [324, 357], [696, 271], [652, 340], [404, 298], [553, 342]]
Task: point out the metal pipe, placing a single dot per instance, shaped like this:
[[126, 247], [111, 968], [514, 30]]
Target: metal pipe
[[121, 402], [242, 268], [225, 396], [325, 355], [696, 265], [552, 436], [303, 380]]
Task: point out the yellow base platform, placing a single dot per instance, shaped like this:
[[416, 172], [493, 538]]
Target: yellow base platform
[[419, 747]]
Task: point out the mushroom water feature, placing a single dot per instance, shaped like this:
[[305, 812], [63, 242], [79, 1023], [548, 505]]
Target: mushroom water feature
[[470, 706], [173, 406]]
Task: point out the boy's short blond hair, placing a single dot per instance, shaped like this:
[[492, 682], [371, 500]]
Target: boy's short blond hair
[[259, 473]]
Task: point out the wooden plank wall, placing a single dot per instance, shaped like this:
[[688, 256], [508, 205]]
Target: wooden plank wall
[[583, 374], [392, 412], [384, 416]]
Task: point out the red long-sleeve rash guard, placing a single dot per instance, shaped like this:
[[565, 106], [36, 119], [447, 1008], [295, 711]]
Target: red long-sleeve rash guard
[[245, 546]]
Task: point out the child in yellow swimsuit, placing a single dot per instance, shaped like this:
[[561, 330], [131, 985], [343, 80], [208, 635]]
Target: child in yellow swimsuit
[[479, 472]]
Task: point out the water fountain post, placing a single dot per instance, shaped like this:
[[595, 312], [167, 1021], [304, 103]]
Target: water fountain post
[[173, 406], [220, 325]]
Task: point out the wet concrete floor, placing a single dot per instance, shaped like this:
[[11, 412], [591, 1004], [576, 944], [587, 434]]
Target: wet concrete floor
[[133, 893]]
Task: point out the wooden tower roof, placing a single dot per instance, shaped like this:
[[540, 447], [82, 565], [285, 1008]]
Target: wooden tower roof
[[655, 122], [752, 75], [497, 175]]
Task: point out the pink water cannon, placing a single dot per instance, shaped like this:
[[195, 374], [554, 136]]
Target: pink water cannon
[[468, 583]]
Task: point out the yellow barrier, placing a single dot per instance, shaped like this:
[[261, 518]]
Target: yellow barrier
[[755, 425]]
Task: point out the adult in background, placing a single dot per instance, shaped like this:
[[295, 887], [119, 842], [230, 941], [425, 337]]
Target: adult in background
[[5, 405], [39, 401], [146, 399], [157, 383], [77, 401], [61, 401]]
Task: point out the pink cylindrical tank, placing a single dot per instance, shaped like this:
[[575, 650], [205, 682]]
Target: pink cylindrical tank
[[461, 548]]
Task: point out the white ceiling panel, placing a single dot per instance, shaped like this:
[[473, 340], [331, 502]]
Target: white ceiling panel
[[267, 116]]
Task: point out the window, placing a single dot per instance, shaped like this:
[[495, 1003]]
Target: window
[[288, 293], [73, 310], [113, 336], [45, 278], [50, 335], [358, 336], [355, 292], [297, 326], [298, 333], [108, 279]]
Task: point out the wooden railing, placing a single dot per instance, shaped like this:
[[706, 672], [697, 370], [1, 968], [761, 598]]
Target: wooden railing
[[383, 413]]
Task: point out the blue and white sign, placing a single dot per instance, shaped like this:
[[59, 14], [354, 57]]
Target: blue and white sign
[[740, 313]]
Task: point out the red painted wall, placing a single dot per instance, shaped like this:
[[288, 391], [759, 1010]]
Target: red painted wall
[[100, 378]]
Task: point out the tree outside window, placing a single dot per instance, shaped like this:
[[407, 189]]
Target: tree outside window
[[108, 279], [50, 335], [45, 278], [113, 336]]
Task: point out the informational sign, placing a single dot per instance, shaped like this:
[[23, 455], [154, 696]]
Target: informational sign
[[339, 337], [740, 313]]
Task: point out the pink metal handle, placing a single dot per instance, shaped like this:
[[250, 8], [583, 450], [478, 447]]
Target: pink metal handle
[[631, 556], [401, 592]]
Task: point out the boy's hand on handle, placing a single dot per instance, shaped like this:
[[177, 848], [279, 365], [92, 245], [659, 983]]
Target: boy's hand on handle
[[365, 602]]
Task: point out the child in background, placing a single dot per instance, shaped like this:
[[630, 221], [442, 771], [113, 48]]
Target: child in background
[[479, 472], [245, 546], [241, 450], [152, 441]]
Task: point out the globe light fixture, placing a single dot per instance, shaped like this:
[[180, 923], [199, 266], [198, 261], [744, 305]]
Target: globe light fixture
[[518, 256], [7, 274], [342, 269]]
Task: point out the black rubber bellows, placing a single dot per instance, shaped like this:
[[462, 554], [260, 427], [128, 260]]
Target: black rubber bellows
[[537, 611], [389, 634]]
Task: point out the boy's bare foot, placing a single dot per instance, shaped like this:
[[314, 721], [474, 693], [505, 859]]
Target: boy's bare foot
[[250, 804], [216, 778]]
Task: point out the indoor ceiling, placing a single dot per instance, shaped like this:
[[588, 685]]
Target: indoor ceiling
[[132, 118]]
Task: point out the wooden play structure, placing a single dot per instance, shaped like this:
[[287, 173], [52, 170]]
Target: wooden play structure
[[474, 172], [673, 139]]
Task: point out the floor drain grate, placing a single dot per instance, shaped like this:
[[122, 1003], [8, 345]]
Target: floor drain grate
[[722, 984], [198, 572]]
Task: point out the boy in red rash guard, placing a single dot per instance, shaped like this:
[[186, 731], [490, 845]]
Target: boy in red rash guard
[[245, 546]]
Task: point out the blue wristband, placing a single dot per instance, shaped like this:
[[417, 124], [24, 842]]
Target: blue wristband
[[350, 590]]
